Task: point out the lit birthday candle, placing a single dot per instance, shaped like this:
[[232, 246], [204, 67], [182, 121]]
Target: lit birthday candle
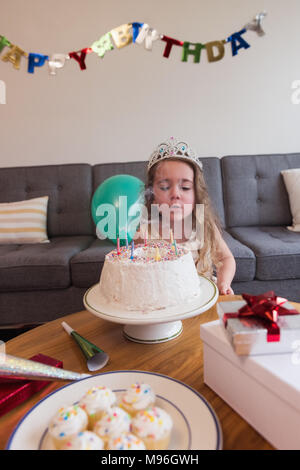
[[157, 255], [145, 238], [126, 236], [172, 240], [171, 236], [132, 249], [118, 246]]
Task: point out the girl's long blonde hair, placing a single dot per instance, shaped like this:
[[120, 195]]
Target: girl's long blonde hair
[[208, 255]]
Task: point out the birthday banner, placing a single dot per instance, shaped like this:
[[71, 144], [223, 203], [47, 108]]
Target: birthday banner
[[138, 33]]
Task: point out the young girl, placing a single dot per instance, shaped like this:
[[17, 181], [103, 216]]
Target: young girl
[[175, 181]]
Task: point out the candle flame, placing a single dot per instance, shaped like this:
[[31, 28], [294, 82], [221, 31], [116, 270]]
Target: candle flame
[[157, 255]]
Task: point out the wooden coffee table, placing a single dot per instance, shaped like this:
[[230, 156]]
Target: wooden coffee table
[[181, 358]]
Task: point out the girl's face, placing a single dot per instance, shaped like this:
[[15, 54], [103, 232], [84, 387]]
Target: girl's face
[[174, 185]]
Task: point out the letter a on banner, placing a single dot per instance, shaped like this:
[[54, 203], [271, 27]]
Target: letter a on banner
[[14, 56], [237, 42]]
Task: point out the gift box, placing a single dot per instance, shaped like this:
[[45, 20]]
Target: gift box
[[13, 391], [263, 324], [264, 390]]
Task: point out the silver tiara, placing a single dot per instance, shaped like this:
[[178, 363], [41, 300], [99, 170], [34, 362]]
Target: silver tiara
[[174, 148]]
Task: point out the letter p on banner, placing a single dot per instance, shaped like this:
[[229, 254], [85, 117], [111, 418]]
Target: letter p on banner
[[2, 92]]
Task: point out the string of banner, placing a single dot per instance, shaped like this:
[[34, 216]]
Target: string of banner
[[139, 33]]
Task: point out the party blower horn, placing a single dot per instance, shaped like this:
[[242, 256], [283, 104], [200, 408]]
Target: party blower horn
[[96, 358], [17, 367]]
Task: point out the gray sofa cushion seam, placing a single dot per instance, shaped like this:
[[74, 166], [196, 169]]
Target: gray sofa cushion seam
[[274, 255], [36, 266]]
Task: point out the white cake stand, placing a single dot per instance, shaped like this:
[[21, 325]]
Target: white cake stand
[[159, 325]]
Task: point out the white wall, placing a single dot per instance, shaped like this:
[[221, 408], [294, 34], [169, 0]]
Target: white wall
[[124, 105]]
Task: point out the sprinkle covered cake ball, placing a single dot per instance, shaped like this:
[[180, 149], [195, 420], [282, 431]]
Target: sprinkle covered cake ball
[[126, 441], [137, 397], [67, 422], [153, 426], [84, 440], [95, 402], [113, 422]]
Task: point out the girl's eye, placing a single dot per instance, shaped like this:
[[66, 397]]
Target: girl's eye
[[164, 188], [186, 188]]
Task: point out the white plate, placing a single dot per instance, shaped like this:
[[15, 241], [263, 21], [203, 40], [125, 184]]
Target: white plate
[[207, 298], [195, 424]]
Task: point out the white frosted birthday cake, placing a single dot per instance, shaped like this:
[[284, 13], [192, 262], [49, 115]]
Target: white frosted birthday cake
[[153, 277]]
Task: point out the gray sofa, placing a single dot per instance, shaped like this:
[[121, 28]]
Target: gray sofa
[[41, 282]]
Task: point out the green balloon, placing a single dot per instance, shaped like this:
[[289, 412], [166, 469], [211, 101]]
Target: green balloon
[[117, 206]]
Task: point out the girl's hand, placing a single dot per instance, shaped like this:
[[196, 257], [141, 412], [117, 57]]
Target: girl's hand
[[224, 289]]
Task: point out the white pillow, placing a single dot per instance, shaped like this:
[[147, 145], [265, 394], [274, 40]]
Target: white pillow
[[24, 221], [292, 183]]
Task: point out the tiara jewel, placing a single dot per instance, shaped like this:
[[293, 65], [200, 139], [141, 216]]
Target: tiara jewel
[[174, 148]]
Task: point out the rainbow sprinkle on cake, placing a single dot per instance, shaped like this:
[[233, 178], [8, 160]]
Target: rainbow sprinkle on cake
[[113, 422], [84, 440], [97, 399], [152, 423], [126, 441], [147, 253], [67, 422], [138, 396]]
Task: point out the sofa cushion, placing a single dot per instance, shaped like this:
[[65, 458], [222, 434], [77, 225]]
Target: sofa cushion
[[213, 180], [103, 171], [24, 221], [244, 258], [287, 288], [86, 266], [39, 306], [277, 251], [68, 186], [211, 170], [254, 191], [39, 266]]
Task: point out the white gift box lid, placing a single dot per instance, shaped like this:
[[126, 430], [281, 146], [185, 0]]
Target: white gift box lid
[[280, 373], [253, 340]]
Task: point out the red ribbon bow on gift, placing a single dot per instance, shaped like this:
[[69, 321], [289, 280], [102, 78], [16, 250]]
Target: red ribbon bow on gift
[[266, 308]]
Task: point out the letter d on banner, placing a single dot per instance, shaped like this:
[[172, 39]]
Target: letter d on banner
[[2, 92]]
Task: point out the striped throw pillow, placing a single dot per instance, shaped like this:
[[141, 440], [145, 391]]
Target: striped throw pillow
[[24, 221]]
